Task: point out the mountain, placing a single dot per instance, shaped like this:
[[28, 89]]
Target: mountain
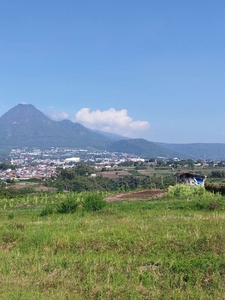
[[24, 125]]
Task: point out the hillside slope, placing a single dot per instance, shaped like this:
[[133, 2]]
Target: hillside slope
[[24, 125], [141, 147]]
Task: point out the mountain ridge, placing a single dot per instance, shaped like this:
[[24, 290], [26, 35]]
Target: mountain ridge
[[24, 125]]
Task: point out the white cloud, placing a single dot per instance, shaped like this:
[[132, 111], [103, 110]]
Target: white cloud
[[111, 121], [59, 116]]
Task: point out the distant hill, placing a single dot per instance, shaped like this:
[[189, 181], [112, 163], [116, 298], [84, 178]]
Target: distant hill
[[198, 150], [141, 147]]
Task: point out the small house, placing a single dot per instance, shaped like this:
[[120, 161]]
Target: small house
[[191, 178]]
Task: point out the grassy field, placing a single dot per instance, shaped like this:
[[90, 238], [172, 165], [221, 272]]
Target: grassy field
[[167, 248]]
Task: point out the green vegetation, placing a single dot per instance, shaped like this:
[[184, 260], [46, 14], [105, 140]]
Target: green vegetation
[[78, 179], [166, 248], [185, 191], [5, 166], [46, 210], [69, 205], [94, 201]]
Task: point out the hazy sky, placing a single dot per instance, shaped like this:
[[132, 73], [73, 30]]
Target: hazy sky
[[151, 69]]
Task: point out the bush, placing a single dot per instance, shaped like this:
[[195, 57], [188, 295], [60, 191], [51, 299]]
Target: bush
[[67, 206], [93, 202], [47, 210], [185, 191], [10, 216]]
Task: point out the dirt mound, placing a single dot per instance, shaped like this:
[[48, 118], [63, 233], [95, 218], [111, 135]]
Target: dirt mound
[[136, 195]]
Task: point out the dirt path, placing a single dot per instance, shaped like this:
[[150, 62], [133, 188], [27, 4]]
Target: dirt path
[[136, 195]]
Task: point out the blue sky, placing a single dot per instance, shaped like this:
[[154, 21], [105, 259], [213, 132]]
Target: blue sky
[[150, 69]]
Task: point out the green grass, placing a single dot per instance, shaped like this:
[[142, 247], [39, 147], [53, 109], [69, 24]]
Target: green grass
[[159, 249]]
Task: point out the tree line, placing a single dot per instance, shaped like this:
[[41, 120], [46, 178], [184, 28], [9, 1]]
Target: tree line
[[78, 178]]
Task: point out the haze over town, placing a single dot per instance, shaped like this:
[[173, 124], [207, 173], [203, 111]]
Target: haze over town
[[152, 70]]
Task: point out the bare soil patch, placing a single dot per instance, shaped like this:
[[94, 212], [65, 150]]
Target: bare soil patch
[[113, 174], [38, 187], [136, 195]]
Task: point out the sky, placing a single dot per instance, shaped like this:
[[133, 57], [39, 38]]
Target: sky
[[143, 69]]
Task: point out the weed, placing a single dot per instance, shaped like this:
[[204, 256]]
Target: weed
[[10, 216]]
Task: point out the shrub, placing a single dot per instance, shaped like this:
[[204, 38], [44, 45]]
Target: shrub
[[93, 202], [67, 206], [10, 216], [185, 191], [47, 210]]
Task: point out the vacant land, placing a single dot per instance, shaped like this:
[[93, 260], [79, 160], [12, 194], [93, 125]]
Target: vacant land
[[136, 195], [159, 248], [36, 186]]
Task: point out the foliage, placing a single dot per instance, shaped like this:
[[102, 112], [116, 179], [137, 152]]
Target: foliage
[[197, 198], [217, 174], [47, 210], [11, 192], [78, 179], [185, 191], [69, 205], [215, 188], [10, 216], [83, 169], [94, 201], [5, 166]]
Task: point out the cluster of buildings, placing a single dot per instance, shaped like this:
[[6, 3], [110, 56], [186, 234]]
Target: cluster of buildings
[[42, 164], [26, 172]]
